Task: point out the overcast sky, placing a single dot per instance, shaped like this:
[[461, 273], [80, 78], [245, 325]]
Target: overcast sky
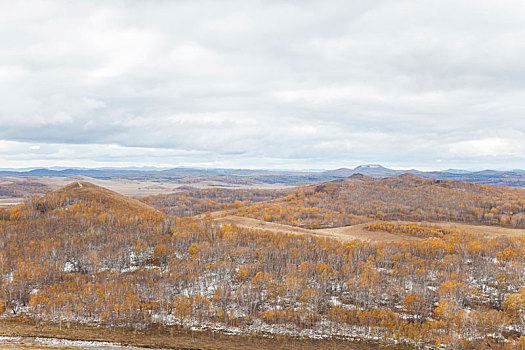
[[263, 84]]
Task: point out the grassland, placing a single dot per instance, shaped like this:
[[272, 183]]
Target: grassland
[[349, 233], [343, 234]]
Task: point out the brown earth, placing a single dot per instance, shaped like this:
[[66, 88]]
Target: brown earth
[[170, 338], [349, 233], [344, 234]]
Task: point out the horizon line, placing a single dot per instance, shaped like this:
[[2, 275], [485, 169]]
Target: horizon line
[[163, 168]]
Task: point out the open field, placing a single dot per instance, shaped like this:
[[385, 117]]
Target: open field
[[9, 202], [349, 233], [141, 188], [130, 187], [344, 234], [484, 230], [13, 190]]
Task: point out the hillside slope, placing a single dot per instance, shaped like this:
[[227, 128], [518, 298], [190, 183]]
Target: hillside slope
[[86, 191], [404, 197], [88, 259]]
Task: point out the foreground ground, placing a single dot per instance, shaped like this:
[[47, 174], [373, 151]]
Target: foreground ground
[[167, 338]]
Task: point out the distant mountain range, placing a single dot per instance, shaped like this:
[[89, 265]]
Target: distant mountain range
[[507, 178], [372, 170]]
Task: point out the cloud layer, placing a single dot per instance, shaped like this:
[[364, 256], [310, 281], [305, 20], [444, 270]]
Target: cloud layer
[[286, 84]]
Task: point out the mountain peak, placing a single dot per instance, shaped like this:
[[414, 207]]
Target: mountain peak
[[369, 166]]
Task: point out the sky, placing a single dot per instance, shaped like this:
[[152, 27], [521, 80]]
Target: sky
[[263, 84]]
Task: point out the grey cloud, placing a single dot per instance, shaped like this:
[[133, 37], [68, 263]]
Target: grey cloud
[[306, 84]]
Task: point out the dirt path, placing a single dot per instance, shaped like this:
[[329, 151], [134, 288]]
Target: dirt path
[[262, 225], [349, 233], [344, 234]]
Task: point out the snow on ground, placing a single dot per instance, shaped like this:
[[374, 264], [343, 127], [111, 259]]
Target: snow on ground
[[81, 344]]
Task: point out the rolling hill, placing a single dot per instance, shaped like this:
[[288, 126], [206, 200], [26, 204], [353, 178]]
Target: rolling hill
[[86, 191], [260, 177], [93, 260], [404, 197]]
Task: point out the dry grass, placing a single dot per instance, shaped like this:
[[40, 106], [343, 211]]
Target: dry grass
[[344, 234], [170, 338], [483, 230], [148, 187], [127, 187], [255, 224], [349, 233]]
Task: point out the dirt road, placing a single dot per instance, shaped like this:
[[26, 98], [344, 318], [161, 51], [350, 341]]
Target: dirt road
[[349, 233], [344, 234]]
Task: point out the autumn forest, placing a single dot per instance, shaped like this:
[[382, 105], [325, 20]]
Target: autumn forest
[[84, 255]]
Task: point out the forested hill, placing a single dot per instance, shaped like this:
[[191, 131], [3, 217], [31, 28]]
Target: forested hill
[[82, 191], [361, 199]]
